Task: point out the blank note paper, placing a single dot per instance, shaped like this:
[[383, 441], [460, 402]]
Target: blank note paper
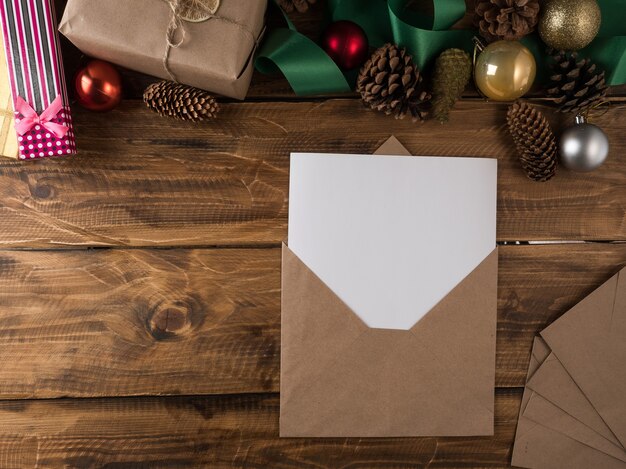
[[391, 235]]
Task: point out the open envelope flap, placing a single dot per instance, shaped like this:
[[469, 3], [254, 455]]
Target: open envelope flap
[[392, 146], [590, 342], [340, 378]]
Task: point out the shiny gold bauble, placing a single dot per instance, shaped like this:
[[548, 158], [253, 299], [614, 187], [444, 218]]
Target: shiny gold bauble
[[505, 70], [569, 24]]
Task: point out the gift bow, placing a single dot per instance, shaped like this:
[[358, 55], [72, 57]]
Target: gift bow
[[30, 118]]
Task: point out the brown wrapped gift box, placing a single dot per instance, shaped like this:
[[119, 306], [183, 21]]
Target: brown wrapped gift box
[[215, 55]]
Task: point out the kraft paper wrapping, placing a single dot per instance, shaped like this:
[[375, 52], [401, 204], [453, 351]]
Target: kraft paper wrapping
[[215, 55], [8, 137]]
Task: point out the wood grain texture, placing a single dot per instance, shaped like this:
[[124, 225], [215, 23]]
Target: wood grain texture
[[141, 180], [135, 322], [113, 322], [154, 322], [219, 432]]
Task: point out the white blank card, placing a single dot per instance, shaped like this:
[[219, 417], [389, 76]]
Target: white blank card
[[391, 235]]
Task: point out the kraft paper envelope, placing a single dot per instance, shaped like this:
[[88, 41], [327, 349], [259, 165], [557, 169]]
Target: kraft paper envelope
[[348, 372], [540, 447], [552, 382], [573, 406], [545, 413], [590, 342]]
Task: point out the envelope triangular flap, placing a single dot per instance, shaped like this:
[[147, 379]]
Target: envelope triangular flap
[[392, 146], [391, 236], [435, 379]]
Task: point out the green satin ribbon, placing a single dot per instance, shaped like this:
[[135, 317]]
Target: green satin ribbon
[[425, 37], [306, 66], [310, 71]]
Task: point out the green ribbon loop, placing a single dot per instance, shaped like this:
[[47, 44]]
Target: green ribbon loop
[[426, 37], [305, 65], [311, 71]]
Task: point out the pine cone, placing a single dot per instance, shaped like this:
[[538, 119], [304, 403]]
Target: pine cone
[[180, 101], [576, 85], [506, 19], [534, 140], [453, 70], [389, 82], [290, 5]]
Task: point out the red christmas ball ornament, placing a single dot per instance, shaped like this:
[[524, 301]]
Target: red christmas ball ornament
[[346, 43], [98, 86]]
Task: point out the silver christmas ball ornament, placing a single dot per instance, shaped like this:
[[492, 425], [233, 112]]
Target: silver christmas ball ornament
[[583, 146]]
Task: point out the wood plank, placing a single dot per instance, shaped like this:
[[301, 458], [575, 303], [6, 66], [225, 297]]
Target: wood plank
[[219, 432], [113, 322], [155, 322], [141, 180]]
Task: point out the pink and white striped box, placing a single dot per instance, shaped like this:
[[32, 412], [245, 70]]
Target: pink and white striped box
[[42, 114]]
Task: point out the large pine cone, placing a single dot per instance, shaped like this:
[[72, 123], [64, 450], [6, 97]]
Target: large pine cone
[[453, 69], [506, 19], [290, 5], [180, 101], [391, 83], [534, 140], [575, 84]]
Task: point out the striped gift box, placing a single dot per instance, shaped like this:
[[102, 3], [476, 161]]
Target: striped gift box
[[8, 138], [42, 114]]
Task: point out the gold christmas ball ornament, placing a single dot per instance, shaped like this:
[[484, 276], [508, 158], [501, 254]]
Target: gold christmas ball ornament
[[569, 24], [505, 70]]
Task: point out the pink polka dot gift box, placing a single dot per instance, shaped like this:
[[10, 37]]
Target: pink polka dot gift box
[[43, 122]]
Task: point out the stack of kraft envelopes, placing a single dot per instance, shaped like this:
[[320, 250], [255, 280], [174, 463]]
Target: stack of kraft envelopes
[[573, 412]]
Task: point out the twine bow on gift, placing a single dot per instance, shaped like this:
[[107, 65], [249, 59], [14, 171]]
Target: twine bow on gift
[[30, 118], [192, 11]]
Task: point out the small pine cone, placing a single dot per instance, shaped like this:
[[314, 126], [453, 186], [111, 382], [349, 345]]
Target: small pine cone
[[453, 70], [290, 5], [389, 82], [534, 140], [180, 101], [575, 84], [506, 19]]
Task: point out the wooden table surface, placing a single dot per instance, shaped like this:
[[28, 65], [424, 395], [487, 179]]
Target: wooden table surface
[[140, 280]]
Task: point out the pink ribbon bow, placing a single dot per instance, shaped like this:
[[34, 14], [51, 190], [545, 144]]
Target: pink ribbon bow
[[30, 118]]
